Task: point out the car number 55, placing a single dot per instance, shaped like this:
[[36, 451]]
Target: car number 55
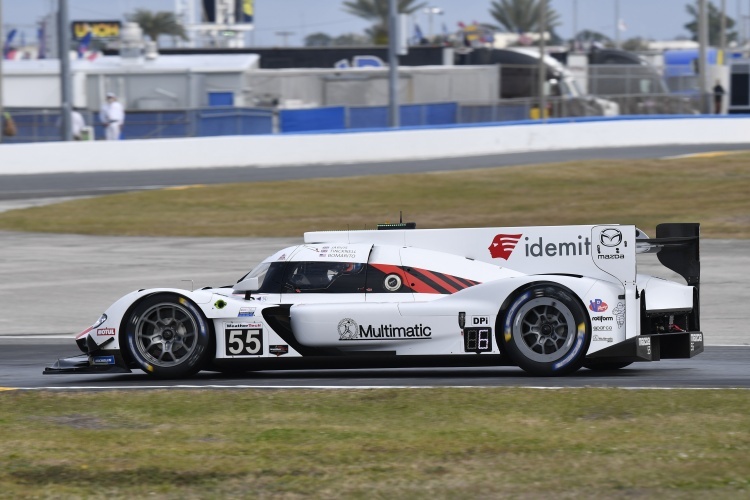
[[245, 342]]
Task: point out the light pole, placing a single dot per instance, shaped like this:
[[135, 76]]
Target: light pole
[[64, 54], [723, 30], [2, 109], [393, 108], [542, 68], [575, 25], [702, 60], [617, 24]]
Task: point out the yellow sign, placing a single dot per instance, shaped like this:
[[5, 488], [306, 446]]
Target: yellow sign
[[100, 30]]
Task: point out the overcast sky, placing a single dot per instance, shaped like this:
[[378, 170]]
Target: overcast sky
[[654, 19]]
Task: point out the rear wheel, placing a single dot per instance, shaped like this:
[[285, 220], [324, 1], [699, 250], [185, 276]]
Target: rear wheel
[[546, 330], [168, 336]]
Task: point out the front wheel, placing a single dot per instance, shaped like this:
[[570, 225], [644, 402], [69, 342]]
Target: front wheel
[[546, 330], [168, 336]]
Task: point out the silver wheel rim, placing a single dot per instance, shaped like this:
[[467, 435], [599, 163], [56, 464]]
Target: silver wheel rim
[[166, 334], [544, 329]]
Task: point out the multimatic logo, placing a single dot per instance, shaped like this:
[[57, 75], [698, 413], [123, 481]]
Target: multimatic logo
[[350, 330]]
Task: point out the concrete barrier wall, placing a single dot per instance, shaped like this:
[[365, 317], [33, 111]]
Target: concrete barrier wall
[[370, 146]]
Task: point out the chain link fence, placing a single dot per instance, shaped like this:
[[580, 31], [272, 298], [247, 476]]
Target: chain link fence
[[45, 124]]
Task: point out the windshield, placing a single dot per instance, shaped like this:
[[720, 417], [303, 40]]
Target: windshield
[[260, 272]]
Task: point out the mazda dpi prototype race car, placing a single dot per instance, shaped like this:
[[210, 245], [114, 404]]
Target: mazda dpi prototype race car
[[547, 299]]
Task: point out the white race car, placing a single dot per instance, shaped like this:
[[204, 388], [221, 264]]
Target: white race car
[[547, 299]]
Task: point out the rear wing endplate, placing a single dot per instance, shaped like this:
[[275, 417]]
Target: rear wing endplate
[[677, 246]]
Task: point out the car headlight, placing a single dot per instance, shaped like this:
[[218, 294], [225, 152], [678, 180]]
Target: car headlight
[[99, 322]]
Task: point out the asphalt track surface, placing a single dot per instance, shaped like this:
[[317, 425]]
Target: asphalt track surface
[[717, 367], [22, 187], [47, 298]]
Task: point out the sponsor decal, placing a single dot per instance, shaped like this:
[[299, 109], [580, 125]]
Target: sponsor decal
[[503, 244], [246, 312], [602, 328], [100, 29], [220, 304], [283, 257], [644, 341], [619, 313], [561, 249], [696, 337], [349, 330], [598, 305], [611, 237], [104, 360], [278, 350], [611, 256], [237, 324], [392, 282], [105, 332], [461, 320], [603, 318], [599, 338]]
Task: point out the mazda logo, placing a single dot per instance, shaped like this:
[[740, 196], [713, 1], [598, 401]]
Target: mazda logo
[[610, 237]]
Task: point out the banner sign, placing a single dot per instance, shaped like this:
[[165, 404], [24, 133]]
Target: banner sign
[[100, 30]]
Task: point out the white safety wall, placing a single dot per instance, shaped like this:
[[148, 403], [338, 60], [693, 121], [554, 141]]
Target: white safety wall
[[401, 145]]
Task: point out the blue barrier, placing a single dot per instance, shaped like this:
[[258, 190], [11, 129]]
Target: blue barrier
[[233, 121], [306, 120], [368, 117]]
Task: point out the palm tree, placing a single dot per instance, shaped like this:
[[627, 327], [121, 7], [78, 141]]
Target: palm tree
[[377, 10], [522, 16], [714, 24], [154, 24]]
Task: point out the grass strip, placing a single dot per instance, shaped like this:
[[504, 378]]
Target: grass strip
[[710, 190], [380, 443]]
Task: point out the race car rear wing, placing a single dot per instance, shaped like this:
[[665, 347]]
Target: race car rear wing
[[677, 246]]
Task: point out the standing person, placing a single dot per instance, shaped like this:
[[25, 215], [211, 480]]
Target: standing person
[[77, 124], [112, 115], [718, 97]]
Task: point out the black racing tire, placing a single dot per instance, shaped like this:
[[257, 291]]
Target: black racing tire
[[607, 365], [168, 336], [545, 330]]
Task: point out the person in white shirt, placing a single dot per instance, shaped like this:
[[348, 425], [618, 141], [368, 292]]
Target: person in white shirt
[[112, 115], [77, 124]]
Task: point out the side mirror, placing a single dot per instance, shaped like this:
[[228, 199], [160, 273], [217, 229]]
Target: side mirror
[[246, 285]]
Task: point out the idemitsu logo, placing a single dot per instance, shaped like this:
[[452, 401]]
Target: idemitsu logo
[[503, 244]]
